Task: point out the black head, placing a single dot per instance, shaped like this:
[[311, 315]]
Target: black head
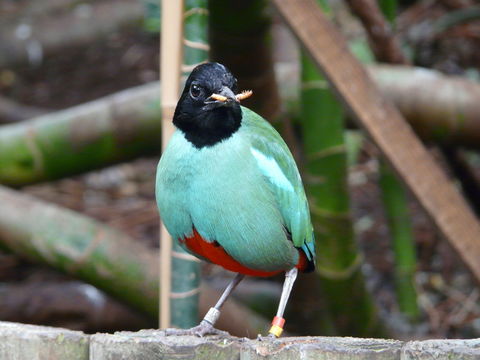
[[204, 120]]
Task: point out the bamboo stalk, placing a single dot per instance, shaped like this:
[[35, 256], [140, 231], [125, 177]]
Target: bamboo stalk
[[185, 267], [80, 246], [116, 128], [400, 226], [171, 52], [349, 303], [396, 209]]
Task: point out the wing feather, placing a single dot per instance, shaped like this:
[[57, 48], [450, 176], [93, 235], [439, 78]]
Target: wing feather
[[276, 163]]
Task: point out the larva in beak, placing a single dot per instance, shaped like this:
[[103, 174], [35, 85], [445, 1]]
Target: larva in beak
[[245, 94], [239, 97]]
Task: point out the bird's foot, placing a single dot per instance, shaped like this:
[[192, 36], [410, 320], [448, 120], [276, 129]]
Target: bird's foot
[[204, 328], [268, 337]]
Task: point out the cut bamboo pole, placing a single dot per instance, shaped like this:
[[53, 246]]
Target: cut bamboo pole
[[170, 63], [387, 127], [186, 277]]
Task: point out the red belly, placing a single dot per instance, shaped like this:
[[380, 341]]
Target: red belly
[[217, 255]]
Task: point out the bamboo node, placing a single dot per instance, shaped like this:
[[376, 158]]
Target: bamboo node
[[185, 294], [334, 150], [343, 274]]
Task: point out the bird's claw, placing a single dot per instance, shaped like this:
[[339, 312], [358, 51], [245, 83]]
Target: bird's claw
[[204, 328], [260, 337]]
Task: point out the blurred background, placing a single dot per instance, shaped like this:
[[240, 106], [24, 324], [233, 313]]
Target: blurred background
[[79, 226]]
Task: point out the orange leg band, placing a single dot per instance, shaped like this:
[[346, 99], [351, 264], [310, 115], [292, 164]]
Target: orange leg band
[[277, 326]]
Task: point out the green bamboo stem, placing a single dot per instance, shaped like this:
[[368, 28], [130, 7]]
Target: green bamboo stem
[[339, 260], [77, 245], [116, 128], [185, 267], [350, 305], [240, 39], [396, 210]]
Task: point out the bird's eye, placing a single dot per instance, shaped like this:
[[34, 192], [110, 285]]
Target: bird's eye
[[195, 91]]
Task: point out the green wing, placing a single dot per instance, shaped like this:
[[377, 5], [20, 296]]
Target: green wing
[[277, 164]]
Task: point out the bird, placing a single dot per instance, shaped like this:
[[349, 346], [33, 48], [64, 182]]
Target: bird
[[229, 191]]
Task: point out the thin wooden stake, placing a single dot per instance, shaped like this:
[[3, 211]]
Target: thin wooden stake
[[386, 126], [170, 64]]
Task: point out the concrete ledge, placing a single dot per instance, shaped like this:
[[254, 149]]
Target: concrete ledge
[[442, 349], [149, 344], [29, 342], [19, 342]]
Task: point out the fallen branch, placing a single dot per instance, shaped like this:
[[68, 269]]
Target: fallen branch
[[99, 255]]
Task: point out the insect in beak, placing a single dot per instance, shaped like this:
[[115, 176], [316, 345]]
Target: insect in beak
[[245, 94]]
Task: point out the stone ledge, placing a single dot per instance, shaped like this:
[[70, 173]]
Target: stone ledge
[[19, 342], [29, 342], [150, 344]]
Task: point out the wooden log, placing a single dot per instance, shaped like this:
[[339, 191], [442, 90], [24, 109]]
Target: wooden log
[[386, 126]]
